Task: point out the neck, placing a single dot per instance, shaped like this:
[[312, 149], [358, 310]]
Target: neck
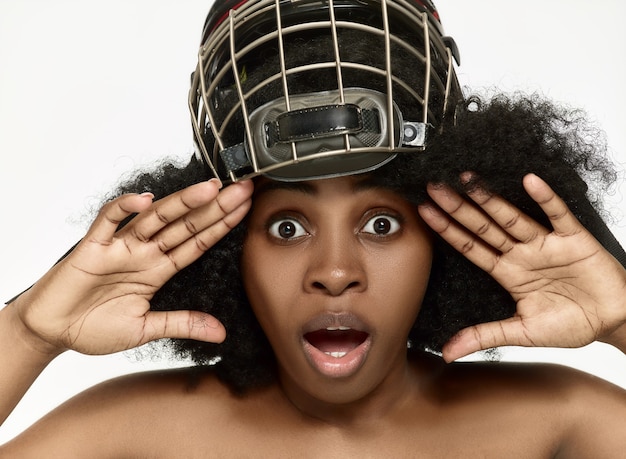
[[352, 402]]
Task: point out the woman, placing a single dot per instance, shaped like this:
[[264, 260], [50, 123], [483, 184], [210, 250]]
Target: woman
[[337, 248]]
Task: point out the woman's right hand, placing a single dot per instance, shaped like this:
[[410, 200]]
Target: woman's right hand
[[97, 299]]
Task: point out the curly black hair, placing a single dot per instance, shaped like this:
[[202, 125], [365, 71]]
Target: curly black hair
[[501, 140]]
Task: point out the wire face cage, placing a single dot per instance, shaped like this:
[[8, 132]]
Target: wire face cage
[[306, 89]]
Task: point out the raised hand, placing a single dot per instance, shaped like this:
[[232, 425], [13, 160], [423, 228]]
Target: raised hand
[[97, 300], [569, 290]]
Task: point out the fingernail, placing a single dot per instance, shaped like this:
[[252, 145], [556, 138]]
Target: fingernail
[[217, 181], [147, 194], [466, 177]]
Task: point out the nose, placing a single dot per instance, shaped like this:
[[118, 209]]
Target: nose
[[337, 266]]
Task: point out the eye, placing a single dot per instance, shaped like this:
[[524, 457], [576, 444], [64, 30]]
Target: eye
[[382, 225], [287, 228]]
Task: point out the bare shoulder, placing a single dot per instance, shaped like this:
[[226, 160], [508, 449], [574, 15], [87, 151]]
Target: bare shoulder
[[581, 415], [138, 412], [594, 412]]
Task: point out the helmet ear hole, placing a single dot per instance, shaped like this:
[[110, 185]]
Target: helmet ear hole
[[267, 71]]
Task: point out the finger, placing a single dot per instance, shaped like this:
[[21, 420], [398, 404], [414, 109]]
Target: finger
[[111, 215], [563, 221], [206, 217], [473, 248], [194, 325], [505, 215], [193, 248], [509, 332], [471, 217], [171, 208]]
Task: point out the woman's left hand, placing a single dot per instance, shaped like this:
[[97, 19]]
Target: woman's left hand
[[569, 290]]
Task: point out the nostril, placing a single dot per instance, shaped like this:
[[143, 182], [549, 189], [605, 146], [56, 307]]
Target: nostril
[[337, 280], [318, 286], [353, 285], [335, 289]]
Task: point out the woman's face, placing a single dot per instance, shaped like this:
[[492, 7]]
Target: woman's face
[[335, 271]]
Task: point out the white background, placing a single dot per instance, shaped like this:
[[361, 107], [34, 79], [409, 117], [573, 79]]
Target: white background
[[90, 90]]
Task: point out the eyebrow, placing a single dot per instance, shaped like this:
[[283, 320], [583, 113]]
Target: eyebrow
[[272, 185], [368, 182]]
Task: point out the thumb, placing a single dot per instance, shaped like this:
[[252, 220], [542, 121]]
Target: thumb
[[508, 332], [194, 325]]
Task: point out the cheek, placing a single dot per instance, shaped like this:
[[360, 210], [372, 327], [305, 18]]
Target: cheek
[[415, 271], [404, 280], [266, 282], [419, 263], [254, 273]]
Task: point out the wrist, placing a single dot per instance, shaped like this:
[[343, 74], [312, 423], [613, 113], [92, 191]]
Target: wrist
[[24, 359], [23, 337]]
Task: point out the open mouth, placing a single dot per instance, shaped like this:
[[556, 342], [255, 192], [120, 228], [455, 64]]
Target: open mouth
[[336, 345], [336, 342]]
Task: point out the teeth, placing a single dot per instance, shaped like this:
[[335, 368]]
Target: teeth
[[341, 328], [337, 355]]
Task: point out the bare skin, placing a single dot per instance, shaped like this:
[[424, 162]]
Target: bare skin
[[115, 275], [457, 410], [570, 296], [403, 408]]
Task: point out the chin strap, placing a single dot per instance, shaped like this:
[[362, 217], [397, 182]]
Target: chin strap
[[320, 122]]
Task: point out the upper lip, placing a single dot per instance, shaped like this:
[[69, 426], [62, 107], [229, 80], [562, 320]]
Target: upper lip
[[335, 320]]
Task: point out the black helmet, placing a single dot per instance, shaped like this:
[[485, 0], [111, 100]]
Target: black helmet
[[305, 89]]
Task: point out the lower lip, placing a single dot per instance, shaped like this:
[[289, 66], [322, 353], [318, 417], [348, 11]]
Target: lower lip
[[337, 367]]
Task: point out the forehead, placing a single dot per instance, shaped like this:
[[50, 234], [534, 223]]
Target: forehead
[[352, 183], [362, 190]]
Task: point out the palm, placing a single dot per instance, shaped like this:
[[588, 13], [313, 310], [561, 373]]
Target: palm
[[97, 300], [118, 283], [555, 284], [568, 289]]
